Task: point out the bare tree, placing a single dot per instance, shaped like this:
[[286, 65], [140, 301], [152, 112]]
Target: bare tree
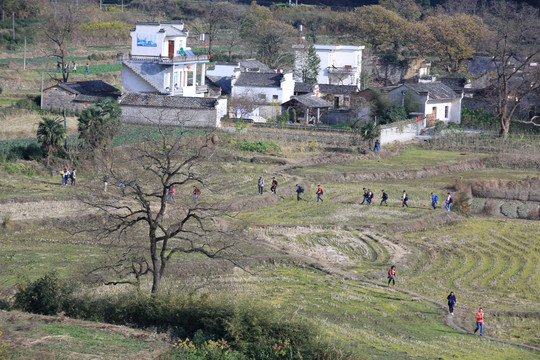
[[514, 46], [58, 30], [146, 212]]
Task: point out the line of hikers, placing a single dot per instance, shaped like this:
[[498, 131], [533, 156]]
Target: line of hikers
[[451, 302], [368, 195]]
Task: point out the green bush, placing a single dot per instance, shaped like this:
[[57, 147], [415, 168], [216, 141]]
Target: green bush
[[17, 168], [31, 104], [258, 146], [46, 296], [392, 114], [32, 151]]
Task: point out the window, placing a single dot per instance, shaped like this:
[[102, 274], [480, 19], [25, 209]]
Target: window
[[434, 110], [274, 98], [262, 97], [446, 112]]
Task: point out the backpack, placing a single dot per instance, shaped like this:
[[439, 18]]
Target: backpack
[[300, 189], [436, 198], [451, 200], [197, 192], [385, 196], [372, 195]]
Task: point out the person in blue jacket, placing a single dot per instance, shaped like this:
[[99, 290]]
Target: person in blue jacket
[[451, 302]]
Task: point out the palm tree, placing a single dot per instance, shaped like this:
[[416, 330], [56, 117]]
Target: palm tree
[[51, 134]]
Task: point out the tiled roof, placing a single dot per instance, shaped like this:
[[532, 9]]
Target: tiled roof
[[259, 79], [253, 65], [479, 65], [300, 87], [436, 90], [171, 30], [310, 101], [224, 82], [91, 87], [165, 101], [337, 89], [456, 84]]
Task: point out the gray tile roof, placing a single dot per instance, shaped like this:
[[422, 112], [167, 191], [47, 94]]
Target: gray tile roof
[[259, 79], [171, 30], [253, 65], [310, 101], [91, 87], [337, 89], [436, 90], [300, 87], [457, 84], [224, 82], [479, 65], [175, 102]]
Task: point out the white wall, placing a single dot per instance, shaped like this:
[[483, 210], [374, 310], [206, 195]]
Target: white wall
[[222, 70], [153, 31], [399, 132], [133, 82]]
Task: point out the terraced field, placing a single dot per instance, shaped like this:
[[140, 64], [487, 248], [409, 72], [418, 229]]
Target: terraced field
[[325, 261]]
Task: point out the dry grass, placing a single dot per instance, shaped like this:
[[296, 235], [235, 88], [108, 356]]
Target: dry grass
[[24, 125]]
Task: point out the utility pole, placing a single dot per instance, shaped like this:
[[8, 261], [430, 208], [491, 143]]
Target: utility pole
[[100, 4], [13, 25], [24, 59], [41, 92], [122, 5], [65, 129]]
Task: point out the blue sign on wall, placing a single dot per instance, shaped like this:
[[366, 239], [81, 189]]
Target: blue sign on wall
[[148, 40]]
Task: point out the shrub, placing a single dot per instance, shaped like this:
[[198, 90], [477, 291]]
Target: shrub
[[461, 203], [45, 296], [17, 168], [32, 151], [31, 104], [258, 146]]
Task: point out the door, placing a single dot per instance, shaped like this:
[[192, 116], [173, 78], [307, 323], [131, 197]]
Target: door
[[171, 48]]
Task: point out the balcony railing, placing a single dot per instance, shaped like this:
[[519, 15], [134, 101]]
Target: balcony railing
[[163, 59]]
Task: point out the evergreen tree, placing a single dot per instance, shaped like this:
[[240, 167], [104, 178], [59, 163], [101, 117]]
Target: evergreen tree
[[311, 66]]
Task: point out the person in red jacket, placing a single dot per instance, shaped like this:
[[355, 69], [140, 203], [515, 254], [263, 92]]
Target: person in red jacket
[[196, 193], [319, 193], [480, 322], [392, 276]]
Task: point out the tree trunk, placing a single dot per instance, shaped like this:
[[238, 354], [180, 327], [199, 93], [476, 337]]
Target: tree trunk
[[156, 275], [505, 126]]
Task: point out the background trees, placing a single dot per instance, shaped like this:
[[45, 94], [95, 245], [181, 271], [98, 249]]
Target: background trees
[[514, 44]]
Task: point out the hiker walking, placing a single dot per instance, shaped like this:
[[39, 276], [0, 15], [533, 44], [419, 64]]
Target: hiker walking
[[62, 175], [384, 198], [370, 196], [87, 69], [319, 193], [74, 67], [365, 197], [449, 201], [105, 182], [273, 188], [172, 194], [404, 199], [73, 177], [392, 276], [123, 187], [377, 145], [196, 193], [260, 183], [299, 190], [434, 199], [451, 302], [480, 322]]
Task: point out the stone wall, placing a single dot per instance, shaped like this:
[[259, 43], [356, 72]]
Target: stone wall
[[58, 99], [170, 117]]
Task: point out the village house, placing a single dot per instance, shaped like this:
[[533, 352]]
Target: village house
[[435, 100], [340, 64], [160, 62], [76, 96], [264, 91]]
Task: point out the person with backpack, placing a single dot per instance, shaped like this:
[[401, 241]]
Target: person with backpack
[[451, 302], [273, 188], [260, 184], [105, 182], [392, 276], [196, 193], [299, 190], [67, 175], [123, 187], [371, 196], [404, 199], [480, 321], [73, 177], [377, 145], [365, 196], [449, 201], [384, 198], [434, 199], [319, 193]]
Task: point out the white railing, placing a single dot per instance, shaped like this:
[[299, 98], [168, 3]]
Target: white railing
[[162, 59]]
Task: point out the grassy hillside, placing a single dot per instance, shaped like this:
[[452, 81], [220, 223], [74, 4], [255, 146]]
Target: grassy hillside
[[325, 262]]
